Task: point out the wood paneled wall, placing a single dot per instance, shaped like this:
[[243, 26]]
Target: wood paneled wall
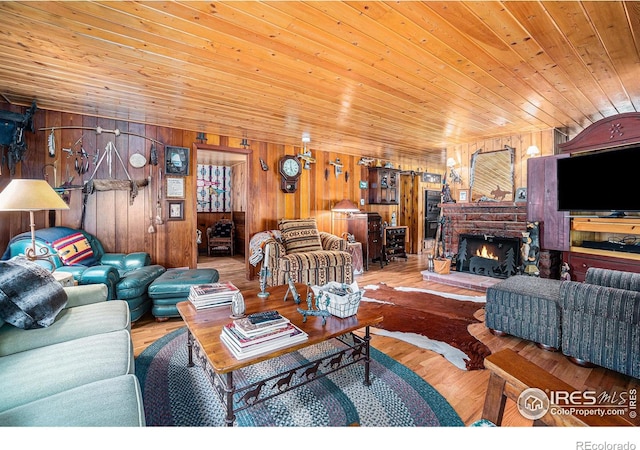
[[545, 140], [125, 227]]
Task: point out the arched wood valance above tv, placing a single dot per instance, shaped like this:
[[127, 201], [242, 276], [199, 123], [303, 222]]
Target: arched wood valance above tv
[[615, 131]]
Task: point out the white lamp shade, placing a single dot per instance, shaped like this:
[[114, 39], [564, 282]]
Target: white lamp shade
[[30, 195], [451, 162]]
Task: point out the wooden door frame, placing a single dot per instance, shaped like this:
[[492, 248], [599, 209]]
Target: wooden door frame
[[247, 152]]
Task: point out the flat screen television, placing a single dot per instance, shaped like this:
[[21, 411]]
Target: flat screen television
[[600, 181]]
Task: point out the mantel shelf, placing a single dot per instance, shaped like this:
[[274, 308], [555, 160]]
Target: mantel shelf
[[485, 205]]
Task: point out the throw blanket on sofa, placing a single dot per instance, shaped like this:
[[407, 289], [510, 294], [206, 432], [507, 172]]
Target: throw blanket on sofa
[[29, 295], [256, 244]]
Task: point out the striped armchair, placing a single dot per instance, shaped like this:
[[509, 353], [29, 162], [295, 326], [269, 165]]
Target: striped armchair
[[308, 255], [601, 320]]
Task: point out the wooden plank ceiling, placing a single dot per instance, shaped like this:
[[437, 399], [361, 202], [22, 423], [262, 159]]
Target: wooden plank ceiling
[[368, 78]]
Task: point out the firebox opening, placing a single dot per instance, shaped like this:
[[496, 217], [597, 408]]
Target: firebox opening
[[490, 256]]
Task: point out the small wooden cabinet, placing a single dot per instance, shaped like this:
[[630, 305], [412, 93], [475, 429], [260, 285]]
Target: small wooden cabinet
[[394, 242], [366, 228], [383, 186]]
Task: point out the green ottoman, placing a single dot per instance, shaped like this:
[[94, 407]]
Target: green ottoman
[[172, 287]]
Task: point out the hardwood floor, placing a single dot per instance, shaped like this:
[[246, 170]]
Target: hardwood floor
[[465, 390]]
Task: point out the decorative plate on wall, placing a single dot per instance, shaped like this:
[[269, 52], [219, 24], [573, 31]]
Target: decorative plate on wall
[[137, 160]]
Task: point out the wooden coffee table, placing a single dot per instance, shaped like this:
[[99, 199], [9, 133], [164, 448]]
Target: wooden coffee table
[[205, 325]]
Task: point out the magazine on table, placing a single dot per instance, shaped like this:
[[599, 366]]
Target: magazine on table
[[212, 295], [212, 290], [263, 347], [249, 329], [244, 341]]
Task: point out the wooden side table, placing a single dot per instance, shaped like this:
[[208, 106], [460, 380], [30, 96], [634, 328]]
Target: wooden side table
[[64, 278], [355, 249]]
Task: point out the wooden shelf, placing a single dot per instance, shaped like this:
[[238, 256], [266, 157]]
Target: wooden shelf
[[607, 225], [609, 253], [602, 229]]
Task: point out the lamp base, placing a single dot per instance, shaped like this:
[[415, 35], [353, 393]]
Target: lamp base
[[45, 255]]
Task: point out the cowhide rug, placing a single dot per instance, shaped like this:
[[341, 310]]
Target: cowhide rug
[[430, 321]]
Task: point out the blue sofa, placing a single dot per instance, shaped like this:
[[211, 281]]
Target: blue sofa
[[77, 371], [127, 276]]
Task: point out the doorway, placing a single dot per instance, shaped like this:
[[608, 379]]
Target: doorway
[[221, 193]]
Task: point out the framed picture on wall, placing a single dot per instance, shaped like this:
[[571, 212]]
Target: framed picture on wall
[[175, 187], [431, 177], [175, 210], [463, 195], [176, 161]]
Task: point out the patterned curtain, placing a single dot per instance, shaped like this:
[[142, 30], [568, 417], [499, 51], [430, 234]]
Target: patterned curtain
[[214, 188]]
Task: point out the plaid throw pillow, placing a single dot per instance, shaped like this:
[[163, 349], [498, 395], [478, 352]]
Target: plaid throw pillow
[[300, 235]]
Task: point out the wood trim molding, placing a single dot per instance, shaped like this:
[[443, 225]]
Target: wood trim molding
[[615, 131]]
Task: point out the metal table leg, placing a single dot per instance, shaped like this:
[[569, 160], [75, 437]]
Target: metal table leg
[[228, 393], [367, 358], [190, 348]]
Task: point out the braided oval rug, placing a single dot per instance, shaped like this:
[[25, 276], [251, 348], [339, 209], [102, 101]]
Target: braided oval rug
[[175, 395]]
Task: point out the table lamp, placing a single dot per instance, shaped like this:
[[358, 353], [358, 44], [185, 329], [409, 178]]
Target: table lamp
[[31, 195], [345, 206]]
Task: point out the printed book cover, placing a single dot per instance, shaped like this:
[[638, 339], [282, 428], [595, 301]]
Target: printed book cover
[[244, 341], [261, 348], [213, 290], [249, 329]]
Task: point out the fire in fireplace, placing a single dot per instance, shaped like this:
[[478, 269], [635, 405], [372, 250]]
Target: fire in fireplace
[[486, 255]]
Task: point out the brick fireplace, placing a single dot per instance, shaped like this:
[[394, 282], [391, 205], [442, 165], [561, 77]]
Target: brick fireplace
[[499, 219], [496, 219], [483, 254]]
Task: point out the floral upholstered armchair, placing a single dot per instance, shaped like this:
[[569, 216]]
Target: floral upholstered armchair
[[307, 255]]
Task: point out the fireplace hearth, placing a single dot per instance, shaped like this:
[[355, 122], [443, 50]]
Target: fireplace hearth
[[486, 255]]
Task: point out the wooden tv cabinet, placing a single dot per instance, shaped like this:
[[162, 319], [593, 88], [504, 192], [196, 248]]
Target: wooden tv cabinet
[[601, 229], [618, 131]]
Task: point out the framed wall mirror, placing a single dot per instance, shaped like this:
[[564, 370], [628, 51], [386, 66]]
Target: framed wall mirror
[[492, 176]]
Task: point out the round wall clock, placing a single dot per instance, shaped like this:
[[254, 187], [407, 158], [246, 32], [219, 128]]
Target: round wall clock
[[290, 170]]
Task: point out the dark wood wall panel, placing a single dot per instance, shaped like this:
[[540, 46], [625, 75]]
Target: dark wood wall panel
[[125, 227]]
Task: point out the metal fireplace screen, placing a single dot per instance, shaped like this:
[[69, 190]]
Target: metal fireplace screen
[[486, 255]]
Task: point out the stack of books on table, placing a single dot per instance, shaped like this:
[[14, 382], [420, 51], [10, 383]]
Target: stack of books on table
[[212, 294], [260, 333]]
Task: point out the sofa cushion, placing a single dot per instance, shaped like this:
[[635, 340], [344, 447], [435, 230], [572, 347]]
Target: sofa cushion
[[300, 235], [29, 295], [39, 373], [135, 282], [613, 278], [74, 249], [114, 402], [71, 323]]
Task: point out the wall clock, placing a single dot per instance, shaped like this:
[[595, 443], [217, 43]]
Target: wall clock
[[290, 170]]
